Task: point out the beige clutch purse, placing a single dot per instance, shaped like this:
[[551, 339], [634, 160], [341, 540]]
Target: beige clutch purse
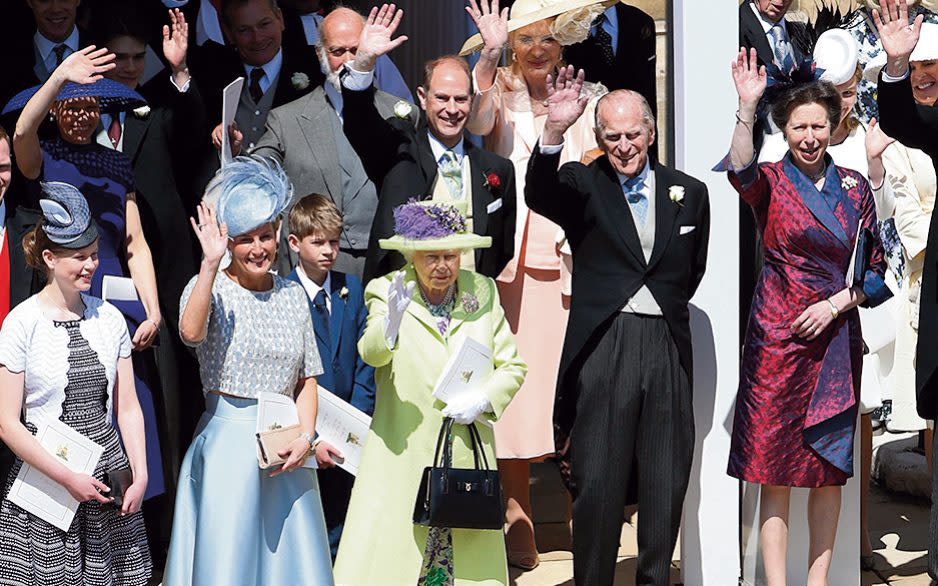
[[269, 443]]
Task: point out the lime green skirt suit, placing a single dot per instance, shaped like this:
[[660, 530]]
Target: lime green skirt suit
[[380, 544]]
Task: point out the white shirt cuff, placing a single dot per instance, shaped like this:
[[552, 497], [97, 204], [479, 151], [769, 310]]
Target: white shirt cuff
[[890, 79], [357, 80], [185, 86], [551, 149]]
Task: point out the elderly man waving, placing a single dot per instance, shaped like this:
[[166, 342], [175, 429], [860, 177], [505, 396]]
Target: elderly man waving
[[639, 234]]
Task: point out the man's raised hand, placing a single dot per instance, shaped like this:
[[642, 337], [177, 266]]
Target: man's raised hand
[[375, 39]]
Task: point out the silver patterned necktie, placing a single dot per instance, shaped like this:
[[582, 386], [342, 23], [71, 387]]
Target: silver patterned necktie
[[781, 48], [452, 173]]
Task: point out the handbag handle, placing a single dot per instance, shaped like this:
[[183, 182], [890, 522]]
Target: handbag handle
[[475, 441]]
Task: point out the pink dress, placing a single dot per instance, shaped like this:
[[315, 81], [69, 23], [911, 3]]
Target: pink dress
[[534, 286]]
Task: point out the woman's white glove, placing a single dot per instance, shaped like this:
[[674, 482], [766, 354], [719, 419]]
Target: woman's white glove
[[466, 408], [399, 297]]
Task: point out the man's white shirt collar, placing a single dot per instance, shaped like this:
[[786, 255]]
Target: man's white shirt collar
[[45, 46], [271, 71], [766, 23], [646, 171], [439, 148], [312, 289]]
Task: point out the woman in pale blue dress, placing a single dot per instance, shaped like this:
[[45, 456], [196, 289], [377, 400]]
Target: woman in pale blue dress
[[235, 524]]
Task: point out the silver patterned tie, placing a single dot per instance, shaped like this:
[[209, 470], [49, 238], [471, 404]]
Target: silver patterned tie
[[452, 173]]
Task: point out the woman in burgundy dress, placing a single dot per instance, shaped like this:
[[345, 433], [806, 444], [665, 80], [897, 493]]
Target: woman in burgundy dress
[[799, 385]]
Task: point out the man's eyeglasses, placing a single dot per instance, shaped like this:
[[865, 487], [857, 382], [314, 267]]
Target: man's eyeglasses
[[339, 52]]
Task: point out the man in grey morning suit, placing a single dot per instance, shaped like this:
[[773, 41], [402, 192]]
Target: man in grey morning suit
[[306, 137]]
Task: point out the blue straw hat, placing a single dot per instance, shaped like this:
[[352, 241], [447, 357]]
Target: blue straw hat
[[112, 96], [66, 219]]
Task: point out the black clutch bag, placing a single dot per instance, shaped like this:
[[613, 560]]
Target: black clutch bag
[[457, 497], [118, 481], [860, 263]]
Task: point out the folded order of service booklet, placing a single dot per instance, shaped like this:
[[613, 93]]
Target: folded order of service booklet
[[38, 494]]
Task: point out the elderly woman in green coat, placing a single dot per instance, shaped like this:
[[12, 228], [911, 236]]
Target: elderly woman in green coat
[[417, 318]]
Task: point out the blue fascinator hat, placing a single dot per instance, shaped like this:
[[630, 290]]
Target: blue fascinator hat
[[112, 96], [66, 219], [249, 192]]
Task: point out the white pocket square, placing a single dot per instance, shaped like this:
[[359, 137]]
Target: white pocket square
[[494, 206], [687, 229]]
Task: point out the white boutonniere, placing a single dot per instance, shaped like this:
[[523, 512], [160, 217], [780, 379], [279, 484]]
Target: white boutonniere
[[676, 194], [402, 109], [848, 182], [343, 293], [300, 80], [142, 112]]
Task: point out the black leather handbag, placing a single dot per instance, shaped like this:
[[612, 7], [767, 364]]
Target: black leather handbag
[[456, 497]]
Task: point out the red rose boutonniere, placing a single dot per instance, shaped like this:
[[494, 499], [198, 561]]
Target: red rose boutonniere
[[492, 181]]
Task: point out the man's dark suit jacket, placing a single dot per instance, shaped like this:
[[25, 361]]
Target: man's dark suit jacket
[[634, 67], [751, 34], [917, 127], [160, 147], [399, 160], [24, 282], [588, 203]]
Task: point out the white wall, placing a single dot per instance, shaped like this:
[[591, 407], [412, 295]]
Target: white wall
[[705, 36]]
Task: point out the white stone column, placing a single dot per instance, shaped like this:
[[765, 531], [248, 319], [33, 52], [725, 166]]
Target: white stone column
[[704, 37]]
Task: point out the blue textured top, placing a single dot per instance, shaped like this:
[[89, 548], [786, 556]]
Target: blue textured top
[[256, 340]]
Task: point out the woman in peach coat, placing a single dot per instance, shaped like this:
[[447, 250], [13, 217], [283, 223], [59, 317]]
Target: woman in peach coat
[[509, 110]]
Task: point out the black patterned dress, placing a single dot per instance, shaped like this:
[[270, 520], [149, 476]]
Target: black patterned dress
[[101, 547]]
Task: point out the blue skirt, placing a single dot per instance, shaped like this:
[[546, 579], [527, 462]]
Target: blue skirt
[[234, 525]]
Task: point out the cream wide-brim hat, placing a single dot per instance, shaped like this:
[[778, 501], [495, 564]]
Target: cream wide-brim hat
[[525, 12]]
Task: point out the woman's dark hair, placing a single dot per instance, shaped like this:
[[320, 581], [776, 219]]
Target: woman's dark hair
[[817, 92], [35, 241]]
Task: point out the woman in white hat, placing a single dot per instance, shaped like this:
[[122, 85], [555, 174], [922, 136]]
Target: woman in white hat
[[860, 147], [417, 318], [510, 111]]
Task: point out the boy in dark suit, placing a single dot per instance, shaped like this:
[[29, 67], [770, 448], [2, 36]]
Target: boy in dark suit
[[337, 305]]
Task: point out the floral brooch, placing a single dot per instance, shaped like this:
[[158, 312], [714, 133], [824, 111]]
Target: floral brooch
[[469, 302], [300, 80], [676, 194], [848, 182], [343, 293]]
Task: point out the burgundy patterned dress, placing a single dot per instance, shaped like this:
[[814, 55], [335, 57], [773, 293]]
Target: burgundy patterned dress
[[797, 405]]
